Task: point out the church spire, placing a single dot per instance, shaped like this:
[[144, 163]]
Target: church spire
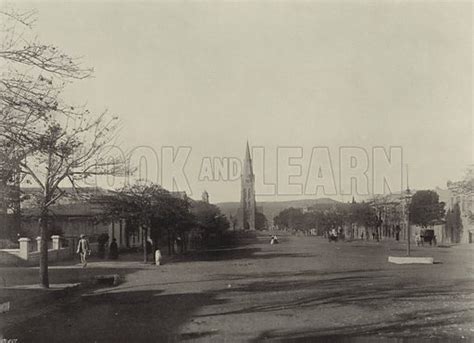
[[247, 209], [248, 161]]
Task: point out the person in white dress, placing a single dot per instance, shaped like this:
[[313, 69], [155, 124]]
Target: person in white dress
[[158, 257]]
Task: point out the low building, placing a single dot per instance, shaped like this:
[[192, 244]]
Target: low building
[[76, 214], [73, 219]]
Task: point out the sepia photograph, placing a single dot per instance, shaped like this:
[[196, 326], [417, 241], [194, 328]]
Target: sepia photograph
[[236, 171]]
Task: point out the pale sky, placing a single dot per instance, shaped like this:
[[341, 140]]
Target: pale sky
[[210, 75]]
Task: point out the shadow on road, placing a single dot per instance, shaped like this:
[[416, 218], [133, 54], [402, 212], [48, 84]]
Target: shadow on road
[[133, 316], [228, 254], [341, 338], [349, 290], [30, 303]]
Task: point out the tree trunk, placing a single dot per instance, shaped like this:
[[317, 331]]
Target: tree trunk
[[44, 277], [169, 242], [48, 193], [173, 244], [16, 202], [145, 250], [127, 232], [3, 209]]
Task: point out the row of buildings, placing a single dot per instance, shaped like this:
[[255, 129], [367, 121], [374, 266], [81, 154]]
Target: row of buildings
[[76, 213], [392, 211], [73, 215]]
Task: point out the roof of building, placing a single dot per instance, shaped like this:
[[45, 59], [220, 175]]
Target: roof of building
[[79, 209], [76, 204]]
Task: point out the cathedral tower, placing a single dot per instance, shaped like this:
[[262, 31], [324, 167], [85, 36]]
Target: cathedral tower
[[246, 212]]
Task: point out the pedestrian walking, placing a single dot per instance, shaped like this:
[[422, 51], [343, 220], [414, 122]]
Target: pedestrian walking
[[83, 249]]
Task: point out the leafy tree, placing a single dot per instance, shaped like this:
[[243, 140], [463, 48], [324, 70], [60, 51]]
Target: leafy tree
[[152, 208], [332, 218], [289, 218], [209, 219], [177, 218], [326, 218], [365, 215], [425, 208]]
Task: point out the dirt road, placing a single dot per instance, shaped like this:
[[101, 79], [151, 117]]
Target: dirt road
[[304, 288]]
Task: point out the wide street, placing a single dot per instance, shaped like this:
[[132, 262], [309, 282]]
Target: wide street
[[303, 289]]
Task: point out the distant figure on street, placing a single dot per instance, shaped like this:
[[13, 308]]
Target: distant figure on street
[[362, 235], [113, 250], [83, 250], [158, 257], [274, 240], [418, 239]]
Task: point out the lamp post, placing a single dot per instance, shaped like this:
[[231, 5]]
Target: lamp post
[[407, 204]]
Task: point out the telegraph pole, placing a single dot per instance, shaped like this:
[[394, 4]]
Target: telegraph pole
[[407, 204]]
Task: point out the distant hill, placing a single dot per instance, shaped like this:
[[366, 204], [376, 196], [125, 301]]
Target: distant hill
[[271, 208]]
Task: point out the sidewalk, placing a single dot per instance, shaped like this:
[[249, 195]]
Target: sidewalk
[[20, 286]]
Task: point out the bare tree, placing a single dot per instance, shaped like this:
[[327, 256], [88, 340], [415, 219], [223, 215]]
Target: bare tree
[[465, 190], [43, 139], [464, 187], [64, 152], [32, 76]]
